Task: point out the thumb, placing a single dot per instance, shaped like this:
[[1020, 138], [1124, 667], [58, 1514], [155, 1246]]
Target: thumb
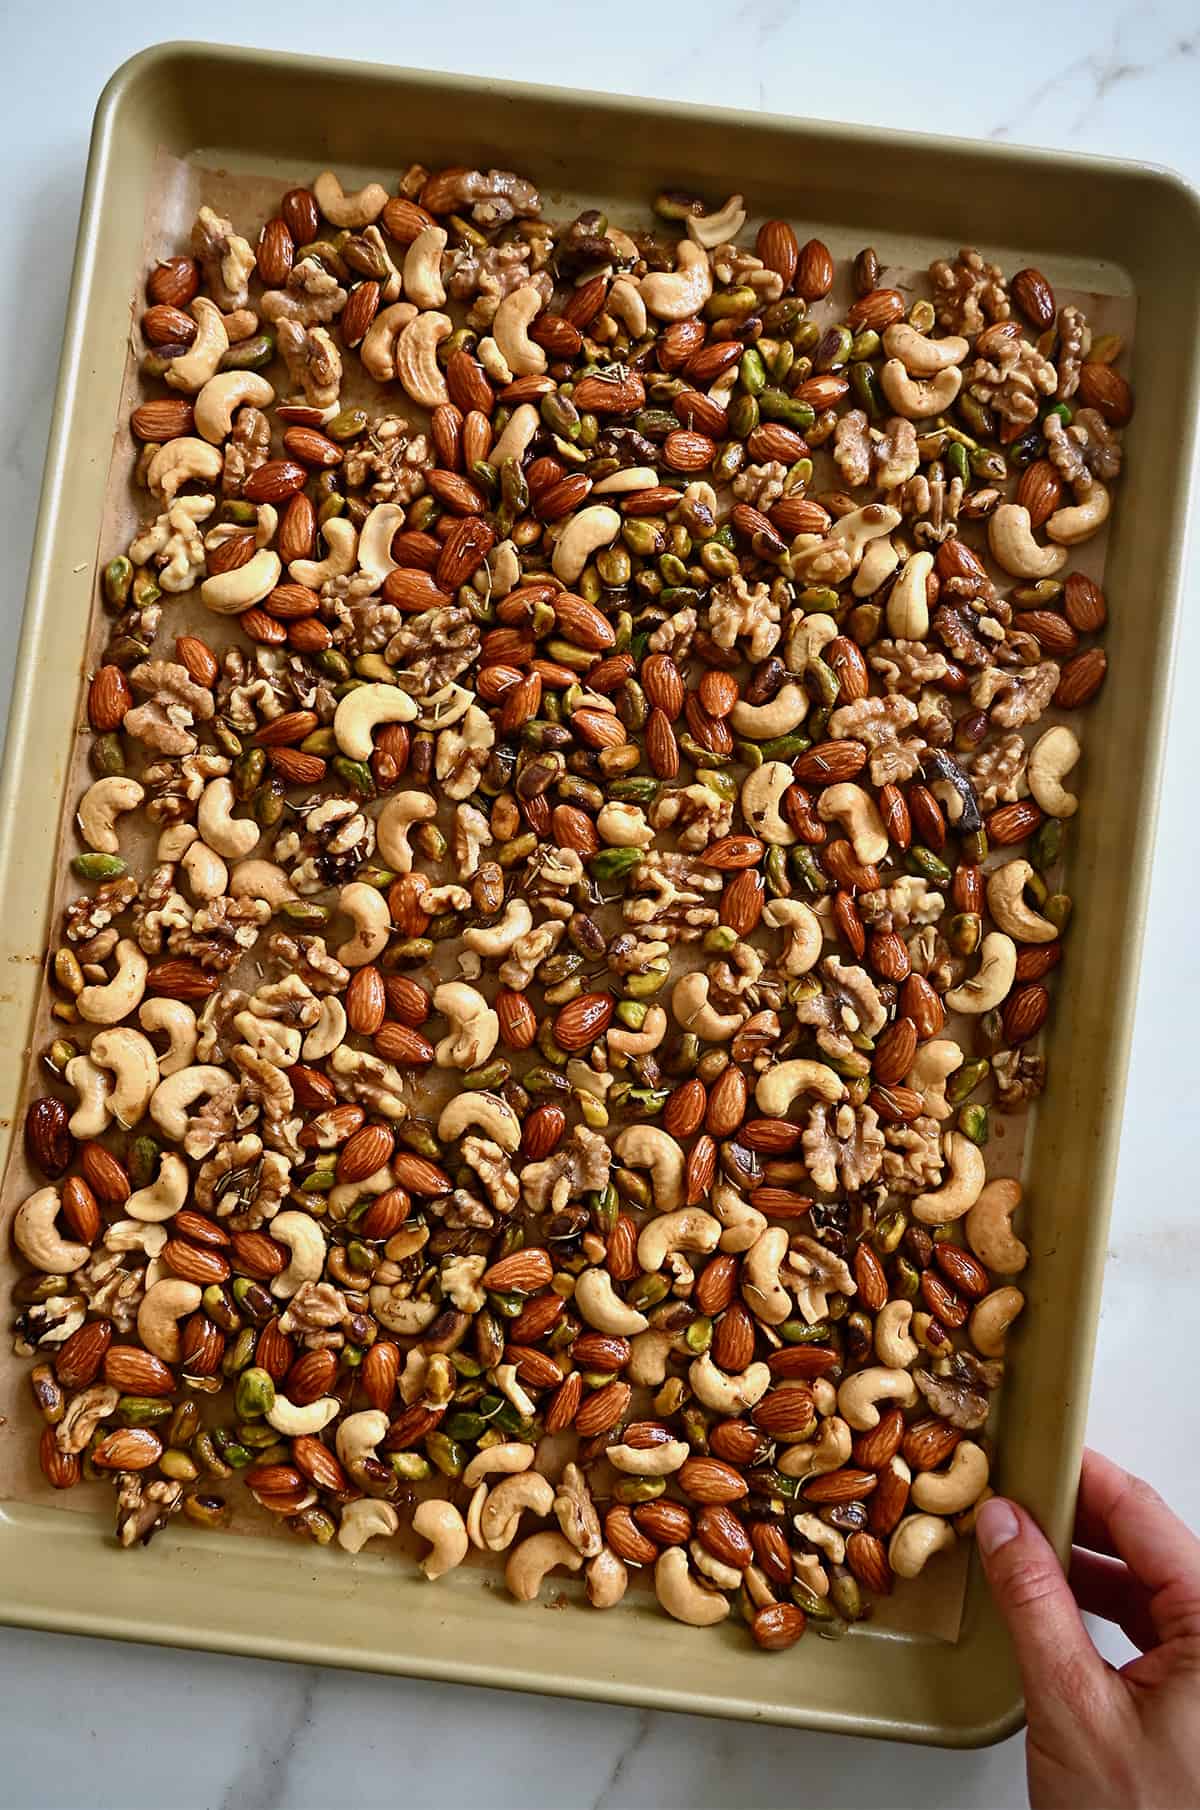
[[1062, 1673]]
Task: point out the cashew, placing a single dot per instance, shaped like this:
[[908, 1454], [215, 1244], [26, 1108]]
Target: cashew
[[991, 1319], [341, 540], [37, 1239], [807, 639], [858, 815], [378, 349], [607, 1579], [687, 1229], [116, 999], [133, 1061], [416, 359], [423, 268], [364, 1520], [859, 1393], [494, 940], [780, 1086], [649, 1354], [1050, 760], [175, 841], [294, 1421], [908, 607], [92, 1085], [206, 874], [327, 1033], [1006, 902], [375, 541], [922, 357], [951, 1491], [678, 1591], [725, 1577], [956, 1196], [804, 933], [367, 909], [893, 1346], [989, 1231], [648, 1147], [162, 1198], [162, 1306], [494, 1116], [219, 828], [177, 1021], [355, 210], [192, 371], [917, 398], [1010, 538], [362, 710], [519, 430], [232, 592], [306, 1241], [585, 533], [405, 1316], [397, 816], [877, 565], [764, 1293], [506, 1503], [829, 1451], [625, 481], [763, 722], [510, 330], [474, 1027], [915, 1541], [649, 1461], [221, 398], [261, 880], [508, 1458], [533, 1558], [996, 973], [679, 294], [101, 805], [724, 1393], [439, 1522], [689, 1002], [603, 1308], [762, 795], [624, 1042], [743, 1224], [828, 1539], [1080, 521], [717, 228]]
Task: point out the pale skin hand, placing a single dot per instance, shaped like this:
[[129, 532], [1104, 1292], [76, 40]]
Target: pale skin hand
[[1102, 1739]]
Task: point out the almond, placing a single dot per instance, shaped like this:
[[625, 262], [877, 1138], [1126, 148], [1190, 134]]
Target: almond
[[1036, 962], [230, 555], [543, 1132], [362, 306], [463, 551], [742, 901], [888, 956], [773, 1137], [521, 1272], [573, 828], [599, 728], [445, 427], [687, 450], [710, 1480], [276, 251], [886, 1507], [173, 281], [727, 1102], [105, 1174], [738, 1442], [109, 699], [1052, 632], [407, 999], [582, 1021], [599, 1351], [203, 1346], [137, 1372], [846, 1485], [823, 391], [814, 272], [286, 730], [942, 1301], [127, 1449], [734, 1339], [468, 385], [456, 493], [413, 590], [582, 623], [1103, 387], [180, 979], [777, 1626], [828, 763], [366, 1000], [602, 1409], [731, 852], [62, 1470], [386, 1213], [700, 1170], [776, 245], [332, 1127], [274, 480], [165, 418], [410, 1427], [610, 396], [313, 448], [312, 1089], [626, 1538], [194, 1263], [788, 1412], [895, 1052], [780, 1203], [316, 1462], [1024, 1012], [867, 1558], [1040, 491], [771, 440], [538, 1317], [928, 1443], [721, 1533], [47, 1136], [677, 343], [259, 1255], [78, 1360], [698, 411], [877, 1447], [711, 360], [292, 602], [197, 659], [799, 515], [662, 748], [655, 501], [621, 1249], [920, 1002], [896, 1105], [403, 220], [1081, 679], [302, 215], [80, 1210], [1084, 605], [258, 626], [1014, 822], [871, 1279], [518, 1020], [563, 1405], [163, 325], [772, 1552], [295, 768], [667, 1523], [845, 658], [876, 310], [537, 1369], [380, 1369], [365, 1152]]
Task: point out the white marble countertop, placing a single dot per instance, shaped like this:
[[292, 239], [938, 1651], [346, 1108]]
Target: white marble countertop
[[101, 1724]]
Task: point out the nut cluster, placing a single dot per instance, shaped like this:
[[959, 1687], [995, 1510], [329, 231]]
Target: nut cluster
[[598, 874]]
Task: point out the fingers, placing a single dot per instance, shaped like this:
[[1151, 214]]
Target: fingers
[[1062, 1673], [1121, 1515], [1104, 1587]]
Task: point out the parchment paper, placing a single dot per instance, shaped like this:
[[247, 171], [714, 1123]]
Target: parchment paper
[[931, 1606]]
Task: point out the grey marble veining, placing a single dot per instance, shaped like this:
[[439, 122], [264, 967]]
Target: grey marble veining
[[100, 1724]]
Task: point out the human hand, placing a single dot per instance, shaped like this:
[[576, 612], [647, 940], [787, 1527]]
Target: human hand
[[1102, 1739]]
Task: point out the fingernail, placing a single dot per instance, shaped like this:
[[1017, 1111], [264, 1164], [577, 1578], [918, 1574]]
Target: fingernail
[[995, 1525]]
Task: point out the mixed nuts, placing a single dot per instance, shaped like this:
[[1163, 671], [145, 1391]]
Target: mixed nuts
[[602, 878]]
